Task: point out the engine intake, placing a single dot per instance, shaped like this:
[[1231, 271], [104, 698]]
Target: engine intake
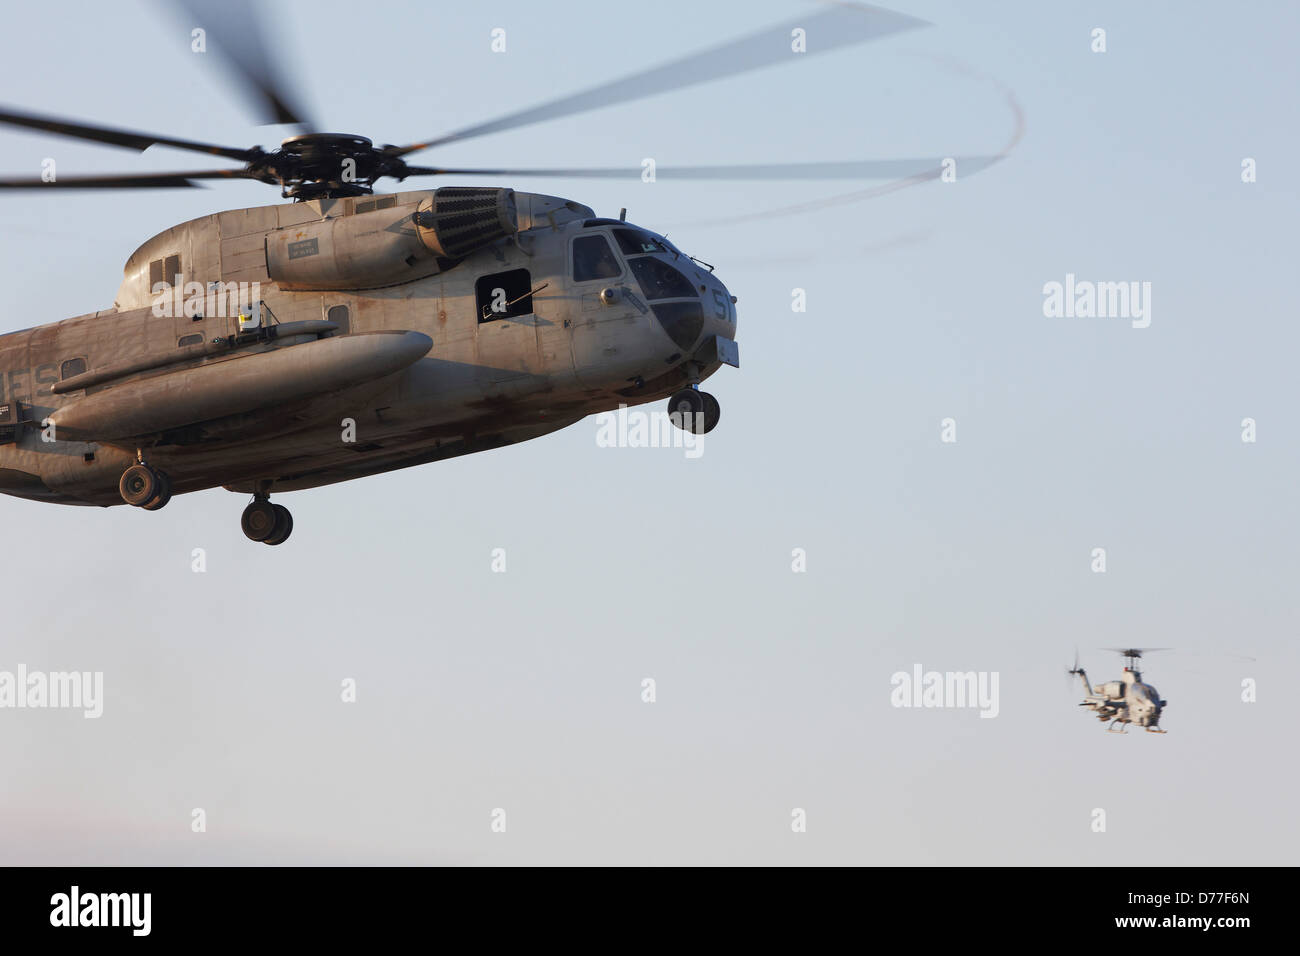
[[459, 220], [390, 246]]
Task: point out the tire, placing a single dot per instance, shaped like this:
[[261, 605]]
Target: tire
[[164, 495], [712, 412], [687, 402], [259, 520], [283, 526], [139, 485]]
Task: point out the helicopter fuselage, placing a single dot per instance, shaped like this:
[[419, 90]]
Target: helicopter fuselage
[[1123, 701], [290, 346]]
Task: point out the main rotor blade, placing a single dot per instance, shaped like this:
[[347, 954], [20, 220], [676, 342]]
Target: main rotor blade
[[126, 181], [116, 137], [235, 29], [850, 169], [839, 26]]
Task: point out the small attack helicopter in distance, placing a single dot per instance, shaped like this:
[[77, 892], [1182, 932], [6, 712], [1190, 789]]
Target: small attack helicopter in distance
[[345, 334], [1124, 701]]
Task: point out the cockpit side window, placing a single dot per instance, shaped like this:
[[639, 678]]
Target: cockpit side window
[[593, 259]]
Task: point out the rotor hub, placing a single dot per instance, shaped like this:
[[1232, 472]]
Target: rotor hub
[[326, 165], [313, 145]]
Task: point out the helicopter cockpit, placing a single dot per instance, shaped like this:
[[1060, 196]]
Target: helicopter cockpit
[[650, 258], [1146, 692], [661, 271]]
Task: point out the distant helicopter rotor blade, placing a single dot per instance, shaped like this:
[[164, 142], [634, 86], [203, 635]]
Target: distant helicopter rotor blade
[[235, 29], [849, 169], [116, 137], [1073, 672], [836, 27], [126, 181]]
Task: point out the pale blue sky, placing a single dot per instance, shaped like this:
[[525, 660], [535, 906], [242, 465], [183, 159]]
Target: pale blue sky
[[521, 691]]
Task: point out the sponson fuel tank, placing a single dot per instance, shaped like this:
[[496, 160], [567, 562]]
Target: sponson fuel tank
[[392, 245], [240, 384]]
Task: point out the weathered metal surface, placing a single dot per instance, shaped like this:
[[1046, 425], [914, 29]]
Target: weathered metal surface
[[258, 415], [262, 380]]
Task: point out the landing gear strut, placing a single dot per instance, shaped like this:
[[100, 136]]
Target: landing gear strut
[[265, 522], [694, 411], [145, 487]]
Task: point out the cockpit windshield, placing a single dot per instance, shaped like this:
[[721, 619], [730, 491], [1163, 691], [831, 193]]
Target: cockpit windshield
[[659, 280], [636, 242]]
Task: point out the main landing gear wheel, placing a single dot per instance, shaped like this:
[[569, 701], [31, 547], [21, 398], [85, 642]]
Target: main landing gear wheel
[[699, 410], [163, 496], [268, 523], [141, 486]]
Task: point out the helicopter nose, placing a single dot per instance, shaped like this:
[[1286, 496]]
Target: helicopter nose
[[718, 341], [721, 308]]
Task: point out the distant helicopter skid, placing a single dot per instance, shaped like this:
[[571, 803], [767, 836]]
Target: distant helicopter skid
[[1111, 729]]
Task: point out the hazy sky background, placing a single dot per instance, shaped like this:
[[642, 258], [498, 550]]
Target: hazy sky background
[[522, 690]]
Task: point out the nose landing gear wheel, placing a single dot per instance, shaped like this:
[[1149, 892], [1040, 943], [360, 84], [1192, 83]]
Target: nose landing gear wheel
[[268, 523], [686, 408], [258, 520], [694, 411], [283, 526], [712, 412]]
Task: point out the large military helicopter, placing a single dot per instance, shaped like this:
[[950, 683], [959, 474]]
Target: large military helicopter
[[1124, 701], [345, 334]]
